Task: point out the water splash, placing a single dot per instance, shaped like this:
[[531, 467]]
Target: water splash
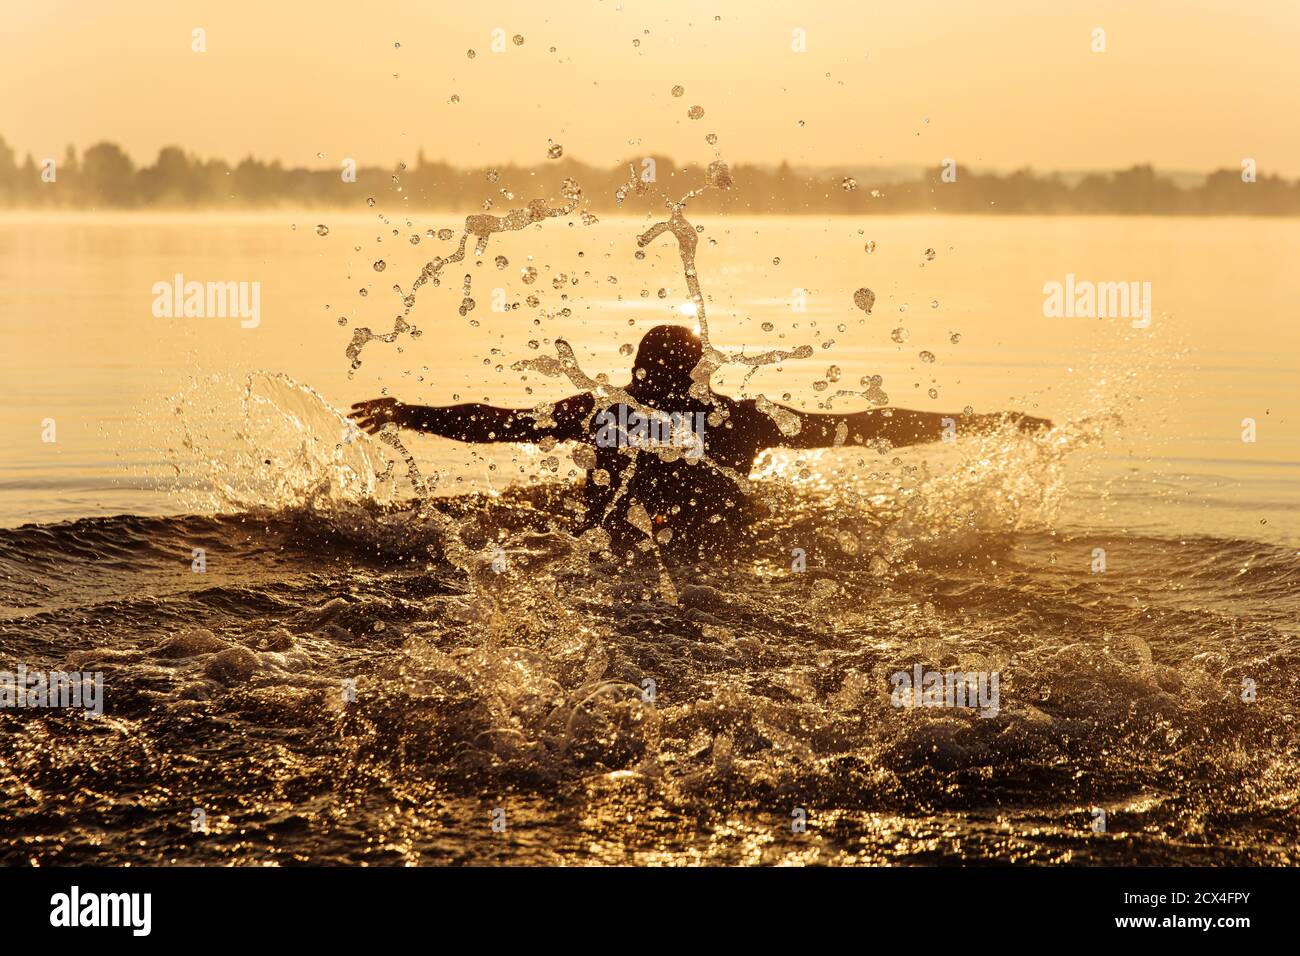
[[481, 227]]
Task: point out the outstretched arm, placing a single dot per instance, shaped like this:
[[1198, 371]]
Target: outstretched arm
[[475, 422], [897, 426]]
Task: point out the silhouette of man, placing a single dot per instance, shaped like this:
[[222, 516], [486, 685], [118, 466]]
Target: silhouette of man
[[667, 461]]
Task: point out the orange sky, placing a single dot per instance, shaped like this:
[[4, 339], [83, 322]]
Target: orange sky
[[1006, 83]]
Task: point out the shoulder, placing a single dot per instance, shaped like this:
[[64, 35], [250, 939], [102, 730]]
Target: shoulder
[[747, 410], [747, 417], [576, 405]]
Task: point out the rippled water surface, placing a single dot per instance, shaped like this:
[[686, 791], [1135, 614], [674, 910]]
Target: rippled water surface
[[350, 681]]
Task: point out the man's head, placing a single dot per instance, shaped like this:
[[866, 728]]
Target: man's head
[[664, 361]]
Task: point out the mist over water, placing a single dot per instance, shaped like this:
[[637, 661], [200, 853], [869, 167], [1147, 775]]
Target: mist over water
[[350, 679]]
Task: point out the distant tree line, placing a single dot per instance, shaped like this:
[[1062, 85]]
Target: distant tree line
[[105, 177]]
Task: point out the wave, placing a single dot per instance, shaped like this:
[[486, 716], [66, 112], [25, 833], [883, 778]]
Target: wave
[[348, 674]]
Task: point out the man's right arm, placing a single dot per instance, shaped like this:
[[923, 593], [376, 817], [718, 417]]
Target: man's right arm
[[476, 422]]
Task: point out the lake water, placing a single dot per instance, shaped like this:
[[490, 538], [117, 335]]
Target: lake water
[[341, 684], [85, 349]]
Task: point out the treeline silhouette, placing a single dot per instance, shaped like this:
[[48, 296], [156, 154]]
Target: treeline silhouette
[[105, 177]]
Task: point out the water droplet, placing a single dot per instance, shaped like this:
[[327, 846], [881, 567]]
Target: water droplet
[[718, 175]]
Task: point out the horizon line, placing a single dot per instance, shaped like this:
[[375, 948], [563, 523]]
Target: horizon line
[[835, 168]]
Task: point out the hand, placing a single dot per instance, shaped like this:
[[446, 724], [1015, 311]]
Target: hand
[[374, 414], [1026, 423]]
